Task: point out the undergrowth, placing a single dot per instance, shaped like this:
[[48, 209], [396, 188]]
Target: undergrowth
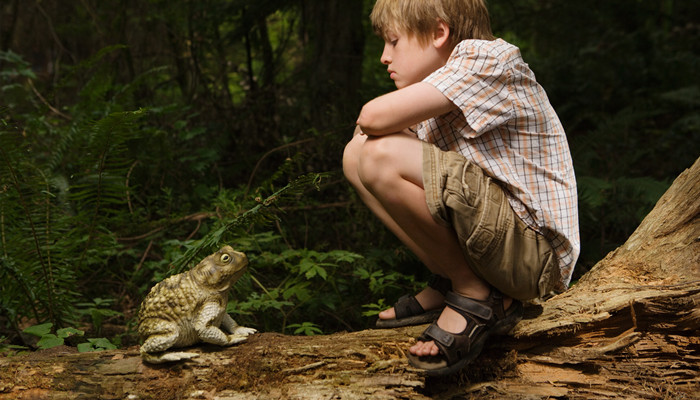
[[128, 162]]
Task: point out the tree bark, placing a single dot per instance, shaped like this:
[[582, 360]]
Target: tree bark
[[630, 328]]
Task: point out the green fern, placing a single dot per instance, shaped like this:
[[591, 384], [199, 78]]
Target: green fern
[[55, 211], [261, 214]]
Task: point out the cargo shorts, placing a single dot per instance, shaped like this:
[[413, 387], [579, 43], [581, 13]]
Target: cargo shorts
[[498, 246]]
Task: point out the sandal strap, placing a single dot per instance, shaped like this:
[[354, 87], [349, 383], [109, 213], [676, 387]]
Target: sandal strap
[[440, 283], [406, 306], [454, 346], [434, 332], [495, 301], [468, 306]]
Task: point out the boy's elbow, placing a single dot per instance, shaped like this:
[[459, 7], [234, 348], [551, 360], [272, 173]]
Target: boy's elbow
[[369, 120]]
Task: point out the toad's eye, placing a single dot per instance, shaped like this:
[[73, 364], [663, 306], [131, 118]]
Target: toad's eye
[[225, 258]]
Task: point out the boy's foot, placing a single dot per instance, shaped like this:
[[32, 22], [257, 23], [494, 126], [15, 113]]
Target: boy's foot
[[423, 308], [441, 351]]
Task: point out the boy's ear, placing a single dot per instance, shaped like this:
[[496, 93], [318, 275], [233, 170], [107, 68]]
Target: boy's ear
[[441, 36]]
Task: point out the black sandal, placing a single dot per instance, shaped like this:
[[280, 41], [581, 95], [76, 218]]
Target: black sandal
[[409, 311], [484, 318]]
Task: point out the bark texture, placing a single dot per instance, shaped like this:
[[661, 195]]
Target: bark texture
[[630, 328]]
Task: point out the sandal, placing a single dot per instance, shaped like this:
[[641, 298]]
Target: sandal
[[409, 311], [484, 318]]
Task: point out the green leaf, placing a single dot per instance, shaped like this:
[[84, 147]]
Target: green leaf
[[39, 330], [85, 347], [67, 332], [48, 341], [374, 308], [102, 343]]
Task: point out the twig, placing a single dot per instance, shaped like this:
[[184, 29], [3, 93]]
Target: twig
[[196, 229], [254, 279], [145, 254], [316, 207], [52, 30], [46, 103], [264, 156], [193, 217], [128, 177], [350, 328]]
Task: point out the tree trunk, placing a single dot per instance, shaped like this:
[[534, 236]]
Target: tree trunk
[[630, 328], [336, 43]]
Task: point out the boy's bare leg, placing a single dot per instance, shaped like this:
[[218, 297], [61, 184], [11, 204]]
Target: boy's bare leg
[[390, 169], [429, 298]]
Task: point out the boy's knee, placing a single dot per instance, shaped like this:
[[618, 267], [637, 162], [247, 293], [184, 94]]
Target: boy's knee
[[351, 156], [378, 151], [375, 161]]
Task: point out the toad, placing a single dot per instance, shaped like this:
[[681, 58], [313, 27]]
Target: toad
[[190, 307]]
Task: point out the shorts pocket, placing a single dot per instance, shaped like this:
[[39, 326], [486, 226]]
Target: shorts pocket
[[472, 181], [488, 233], [550, 277]]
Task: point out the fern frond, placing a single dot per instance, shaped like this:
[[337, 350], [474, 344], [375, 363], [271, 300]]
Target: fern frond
[[100, 192], [18, 178], [55, 208], [263, 213]]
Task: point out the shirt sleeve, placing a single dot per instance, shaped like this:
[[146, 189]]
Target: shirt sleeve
[[475, 80]]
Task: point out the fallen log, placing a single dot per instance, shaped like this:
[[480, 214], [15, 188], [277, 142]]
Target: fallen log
[[630, 328]]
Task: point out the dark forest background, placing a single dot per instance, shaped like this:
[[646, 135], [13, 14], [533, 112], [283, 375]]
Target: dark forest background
[[138, 136]]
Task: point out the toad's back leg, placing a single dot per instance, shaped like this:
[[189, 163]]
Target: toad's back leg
[[162, 336]]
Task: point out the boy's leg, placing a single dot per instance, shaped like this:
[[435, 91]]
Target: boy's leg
[[351, 160], [390, 170], [428, 298]]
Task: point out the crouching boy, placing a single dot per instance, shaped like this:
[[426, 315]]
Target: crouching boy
[[468, 164]]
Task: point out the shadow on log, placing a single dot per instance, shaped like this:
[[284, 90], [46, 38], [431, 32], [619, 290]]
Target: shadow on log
[[630, 328]]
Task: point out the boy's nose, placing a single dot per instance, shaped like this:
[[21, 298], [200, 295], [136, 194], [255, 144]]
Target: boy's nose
[[385, 58]]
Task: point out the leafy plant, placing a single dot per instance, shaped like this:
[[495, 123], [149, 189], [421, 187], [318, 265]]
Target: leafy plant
[[98, 310], [47, 339], [96, 344], [7, 348], [53, 219], [305, 328]]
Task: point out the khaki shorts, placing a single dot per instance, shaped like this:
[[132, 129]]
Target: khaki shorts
[[499, 247]]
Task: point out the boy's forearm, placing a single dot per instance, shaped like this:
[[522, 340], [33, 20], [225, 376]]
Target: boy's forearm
[[398, 110]]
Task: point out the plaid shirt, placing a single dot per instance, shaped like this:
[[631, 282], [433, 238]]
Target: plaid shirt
[[505, 124]]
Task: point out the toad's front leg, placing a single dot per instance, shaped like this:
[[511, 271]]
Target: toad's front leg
[[239, 333], [207, 325]]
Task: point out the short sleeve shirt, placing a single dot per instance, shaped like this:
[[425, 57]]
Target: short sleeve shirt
[[505, 124]]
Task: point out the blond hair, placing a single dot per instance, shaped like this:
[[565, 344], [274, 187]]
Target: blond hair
[[467, 19]]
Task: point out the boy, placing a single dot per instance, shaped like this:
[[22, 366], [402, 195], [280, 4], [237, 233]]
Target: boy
[[468, 164]]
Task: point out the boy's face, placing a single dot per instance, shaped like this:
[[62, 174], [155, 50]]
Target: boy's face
[[409, 60]]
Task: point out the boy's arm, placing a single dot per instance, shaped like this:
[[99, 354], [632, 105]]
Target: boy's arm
[[402, 108]]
